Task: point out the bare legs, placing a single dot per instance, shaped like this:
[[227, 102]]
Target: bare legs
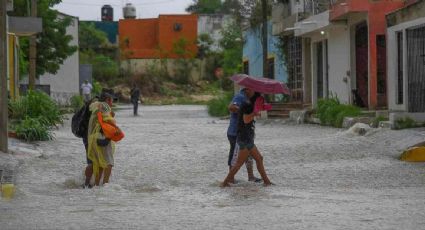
[[106, 173], [249, 169], [243, 156], [89, 174]]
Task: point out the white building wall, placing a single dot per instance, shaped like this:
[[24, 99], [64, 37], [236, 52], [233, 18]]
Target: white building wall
[[339, 63], [392, 64], [212, 24], [65, 83]]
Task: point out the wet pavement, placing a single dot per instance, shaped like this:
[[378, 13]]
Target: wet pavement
[[169, 166]]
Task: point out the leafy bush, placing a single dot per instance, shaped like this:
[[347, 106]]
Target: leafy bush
[[33, 129], [405, 123], [376, 120], [218, 107], [77, 102], [331, 112], [97, 88], [34, 105]]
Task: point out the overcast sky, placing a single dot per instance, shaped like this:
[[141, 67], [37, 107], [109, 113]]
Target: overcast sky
[[91, 9]]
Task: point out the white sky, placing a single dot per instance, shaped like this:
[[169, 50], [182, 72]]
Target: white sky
[[91, 9]]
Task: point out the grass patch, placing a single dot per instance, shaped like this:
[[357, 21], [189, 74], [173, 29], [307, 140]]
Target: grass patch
[[331, 112]]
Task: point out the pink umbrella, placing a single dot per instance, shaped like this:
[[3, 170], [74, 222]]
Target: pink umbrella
[[260, 84]]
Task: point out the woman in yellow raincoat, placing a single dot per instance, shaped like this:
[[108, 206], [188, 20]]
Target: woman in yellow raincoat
[[101, 149]]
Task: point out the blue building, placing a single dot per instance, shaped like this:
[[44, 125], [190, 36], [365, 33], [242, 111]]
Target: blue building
[[253, 55], [109, 27]]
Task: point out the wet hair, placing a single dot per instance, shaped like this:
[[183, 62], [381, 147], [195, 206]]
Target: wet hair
[[254, 97]]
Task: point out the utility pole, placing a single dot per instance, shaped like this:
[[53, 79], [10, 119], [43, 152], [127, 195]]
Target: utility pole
[[3, 79], [264, 37], [33, 50]]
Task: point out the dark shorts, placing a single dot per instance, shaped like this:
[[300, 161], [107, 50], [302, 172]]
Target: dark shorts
[[86, 146], [246, 145]]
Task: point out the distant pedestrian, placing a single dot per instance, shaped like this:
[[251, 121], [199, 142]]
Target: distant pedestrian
[[135, 96], [86, 89]]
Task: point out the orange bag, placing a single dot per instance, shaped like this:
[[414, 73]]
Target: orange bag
[[111, 131]]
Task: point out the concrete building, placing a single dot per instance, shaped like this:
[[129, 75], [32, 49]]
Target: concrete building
[[212, 24], [284, 16], [253, 55], [363, 37], [322, 55], [406, 61], [65, 83]]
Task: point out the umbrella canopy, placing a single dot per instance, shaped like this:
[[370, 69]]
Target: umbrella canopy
[[260, 84]]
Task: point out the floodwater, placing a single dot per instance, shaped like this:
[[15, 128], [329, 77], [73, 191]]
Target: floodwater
[[169, 166]]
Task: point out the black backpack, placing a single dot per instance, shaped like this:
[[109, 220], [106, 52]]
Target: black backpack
[[80, 121]]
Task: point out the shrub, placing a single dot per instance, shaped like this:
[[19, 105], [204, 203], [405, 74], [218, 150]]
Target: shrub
[[97, 88], [331, 112], [33, 129], [77, 102], [405, 123], [376, 120], [218, 107], [36, 104]]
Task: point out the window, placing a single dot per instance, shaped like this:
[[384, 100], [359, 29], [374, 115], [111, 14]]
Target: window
[[399, 68], [382, 64]]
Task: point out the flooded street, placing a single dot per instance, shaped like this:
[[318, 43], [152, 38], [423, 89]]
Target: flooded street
[[169, 166]]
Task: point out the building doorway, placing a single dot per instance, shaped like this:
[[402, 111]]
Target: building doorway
[[361, 93], [416, 69]]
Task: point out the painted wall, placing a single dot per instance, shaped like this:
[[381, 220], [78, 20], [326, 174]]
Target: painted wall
[[154, 38], [110, 28], [253, 52], [141, 66], [65, 83], [376, 12], [212, 24]]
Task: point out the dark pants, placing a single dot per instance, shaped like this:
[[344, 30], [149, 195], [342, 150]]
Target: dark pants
[[232, 142], [135, 106]]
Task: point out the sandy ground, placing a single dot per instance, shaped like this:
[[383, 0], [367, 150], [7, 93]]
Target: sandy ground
[[168, 168]]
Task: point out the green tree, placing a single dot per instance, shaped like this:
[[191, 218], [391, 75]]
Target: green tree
[[52, 43], [105, 69], [205, 7], [232, 45], [91, 38]]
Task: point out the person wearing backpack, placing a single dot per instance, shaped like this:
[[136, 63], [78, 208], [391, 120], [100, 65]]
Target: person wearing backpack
[[79, 127]]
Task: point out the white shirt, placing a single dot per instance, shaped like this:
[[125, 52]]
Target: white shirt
[[86, 88]]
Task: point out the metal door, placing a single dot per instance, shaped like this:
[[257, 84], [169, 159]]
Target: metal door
[[416, 69]]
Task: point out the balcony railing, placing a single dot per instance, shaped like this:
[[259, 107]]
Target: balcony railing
[[317, 6]]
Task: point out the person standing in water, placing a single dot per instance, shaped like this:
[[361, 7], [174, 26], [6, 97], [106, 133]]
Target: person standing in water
[[245, 140], [234, 106]]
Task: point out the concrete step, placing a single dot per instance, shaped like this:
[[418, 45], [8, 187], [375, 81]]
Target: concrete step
[[280, 116]]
